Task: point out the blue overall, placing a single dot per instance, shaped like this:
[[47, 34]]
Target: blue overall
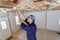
[[30, 29]]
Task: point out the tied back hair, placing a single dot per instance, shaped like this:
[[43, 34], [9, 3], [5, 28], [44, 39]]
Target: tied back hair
[[28, 22]]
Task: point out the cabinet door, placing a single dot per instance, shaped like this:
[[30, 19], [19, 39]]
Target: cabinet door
[[39, 18], [53, 20], [5, 31]]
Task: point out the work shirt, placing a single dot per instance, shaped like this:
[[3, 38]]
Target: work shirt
[[30, 29]]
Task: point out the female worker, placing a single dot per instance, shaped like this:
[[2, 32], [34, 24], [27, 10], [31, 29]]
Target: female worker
[[29, 27]]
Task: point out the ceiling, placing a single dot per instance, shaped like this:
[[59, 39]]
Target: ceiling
[[31, 4], [7, 4]]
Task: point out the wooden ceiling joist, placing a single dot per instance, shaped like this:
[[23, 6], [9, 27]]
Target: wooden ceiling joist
[[7, 3], [5, 7]]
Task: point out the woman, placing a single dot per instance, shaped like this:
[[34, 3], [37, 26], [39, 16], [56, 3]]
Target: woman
[[30, 28]]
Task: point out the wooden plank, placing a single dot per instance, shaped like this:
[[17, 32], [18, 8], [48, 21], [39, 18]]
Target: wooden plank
[[5, 7], [8, 3]]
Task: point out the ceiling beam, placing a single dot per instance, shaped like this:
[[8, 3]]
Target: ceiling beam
[[7, 3]]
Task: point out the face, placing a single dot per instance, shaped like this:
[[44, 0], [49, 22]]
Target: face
[[30, 20]]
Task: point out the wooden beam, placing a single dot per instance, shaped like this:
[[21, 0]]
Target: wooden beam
[[5, 7], [8, 3]]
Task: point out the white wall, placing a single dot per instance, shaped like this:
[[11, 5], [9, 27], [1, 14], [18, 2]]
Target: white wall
[[40, 18], [14, 26], [53, 20], [5, 31]]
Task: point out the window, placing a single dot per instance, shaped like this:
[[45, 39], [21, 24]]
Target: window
[[3, 24], [59, 21], [17, 20]]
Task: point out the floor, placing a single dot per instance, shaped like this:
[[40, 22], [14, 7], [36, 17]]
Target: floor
[[41, 35]]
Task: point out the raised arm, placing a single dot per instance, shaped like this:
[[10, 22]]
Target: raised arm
[[20, 17]]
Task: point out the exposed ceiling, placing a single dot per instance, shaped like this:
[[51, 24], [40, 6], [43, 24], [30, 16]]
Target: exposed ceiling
[[7, 4], [31, 4], [38, 4]]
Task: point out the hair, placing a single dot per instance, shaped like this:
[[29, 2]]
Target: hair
[[28, 22]]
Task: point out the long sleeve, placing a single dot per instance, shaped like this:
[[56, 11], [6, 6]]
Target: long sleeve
[[24, 27]]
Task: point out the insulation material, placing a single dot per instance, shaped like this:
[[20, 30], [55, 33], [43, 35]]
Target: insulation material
[[25, 4], [30, 5]]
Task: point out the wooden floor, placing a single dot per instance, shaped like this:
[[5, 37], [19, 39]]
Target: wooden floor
[[41, 35]]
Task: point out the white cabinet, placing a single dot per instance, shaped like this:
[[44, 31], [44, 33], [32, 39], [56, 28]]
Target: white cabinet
[[39, 16], [53, 20], [5, 31]]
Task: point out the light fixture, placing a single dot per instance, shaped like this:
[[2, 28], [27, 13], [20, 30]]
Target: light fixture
[[59, 21], [3, 24], [17, 20]]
